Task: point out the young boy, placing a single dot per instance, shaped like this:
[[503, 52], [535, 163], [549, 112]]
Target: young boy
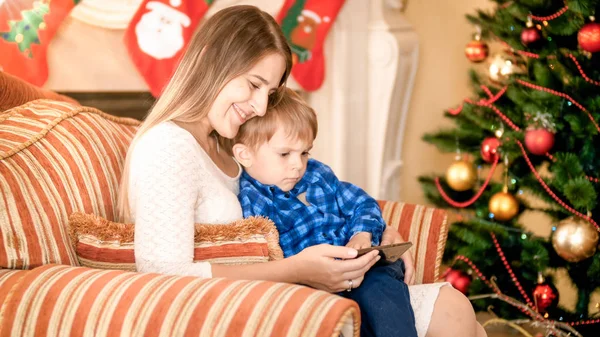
[[310, 206]]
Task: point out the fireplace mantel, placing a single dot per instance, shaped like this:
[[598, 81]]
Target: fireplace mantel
[[371, 60]]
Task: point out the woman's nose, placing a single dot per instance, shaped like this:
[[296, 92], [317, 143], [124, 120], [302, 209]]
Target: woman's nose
[[259, 103]]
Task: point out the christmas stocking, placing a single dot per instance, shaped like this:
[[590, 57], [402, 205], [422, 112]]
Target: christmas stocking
[[158, 35], [26, 29], [305, 24]]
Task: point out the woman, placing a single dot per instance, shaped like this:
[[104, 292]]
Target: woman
[[176, 175]]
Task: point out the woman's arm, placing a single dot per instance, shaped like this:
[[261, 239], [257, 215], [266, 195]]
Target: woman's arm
[[324, 267]]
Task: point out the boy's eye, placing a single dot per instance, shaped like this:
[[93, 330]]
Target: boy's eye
[[306, 153]]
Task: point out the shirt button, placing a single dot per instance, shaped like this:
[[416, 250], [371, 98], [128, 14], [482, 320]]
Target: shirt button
[[324, 235], [287, 195], [271, 189]]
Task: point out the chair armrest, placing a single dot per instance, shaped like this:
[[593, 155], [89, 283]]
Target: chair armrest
[[58, 300], [427, 228]]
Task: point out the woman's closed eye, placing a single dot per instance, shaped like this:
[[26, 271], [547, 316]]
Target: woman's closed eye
[[284, 154], [254, 85]]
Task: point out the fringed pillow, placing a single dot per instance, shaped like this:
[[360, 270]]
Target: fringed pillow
[[104, 244]]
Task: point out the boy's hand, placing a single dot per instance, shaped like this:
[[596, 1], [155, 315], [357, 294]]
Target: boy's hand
[[360, 240]]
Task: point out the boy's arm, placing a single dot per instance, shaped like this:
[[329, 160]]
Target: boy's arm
[[361, 211]]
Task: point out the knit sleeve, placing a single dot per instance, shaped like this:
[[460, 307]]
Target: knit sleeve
[[164, 192]]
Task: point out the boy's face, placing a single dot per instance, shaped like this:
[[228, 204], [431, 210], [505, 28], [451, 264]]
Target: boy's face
[[281, 161]]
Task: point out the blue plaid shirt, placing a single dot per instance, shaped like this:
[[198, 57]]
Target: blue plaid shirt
[[336, 210]]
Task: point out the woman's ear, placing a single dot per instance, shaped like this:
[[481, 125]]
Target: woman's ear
[[242, 154]]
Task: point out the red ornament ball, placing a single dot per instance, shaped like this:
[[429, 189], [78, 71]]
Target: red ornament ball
[[589, 37], [477, 51], [530, 36], [458, 279], [539, 141], [489, 149], [545, 297]]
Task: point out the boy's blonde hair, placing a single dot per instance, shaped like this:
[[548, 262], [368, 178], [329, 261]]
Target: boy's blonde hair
[[291, 113]]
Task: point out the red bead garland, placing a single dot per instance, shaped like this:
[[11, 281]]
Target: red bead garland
[[513, 277], [500, 294], [586, 322], [475, 197], [536, 56], [522, 52], [560, 94], [456, 111], [549, 191], [497, 111], [494, 287], [581, 71], [493, 98], [551, 17]]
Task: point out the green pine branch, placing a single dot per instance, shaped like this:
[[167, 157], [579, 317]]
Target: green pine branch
[[575, 150]]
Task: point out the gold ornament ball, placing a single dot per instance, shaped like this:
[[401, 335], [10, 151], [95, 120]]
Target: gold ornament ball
[[575, 239], [504, 206], [461, 175]]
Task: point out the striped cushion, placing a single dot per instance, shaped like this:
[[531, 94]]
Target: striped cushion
[[8, 278], [426, 228], [103, 244], [55, 158], [57, 300]]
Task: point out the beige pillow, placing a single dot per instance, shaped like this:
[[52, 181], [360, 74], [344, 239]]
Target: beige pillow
[[104, 244]]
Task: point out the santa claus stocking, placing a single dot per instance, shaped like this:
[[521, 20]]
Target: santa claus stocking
[[26, 29], [305, 24], [158, 35]]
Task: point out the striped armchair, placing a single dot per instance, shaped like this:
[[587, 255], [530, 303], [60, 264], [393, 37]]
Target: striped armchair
[[57, 158]]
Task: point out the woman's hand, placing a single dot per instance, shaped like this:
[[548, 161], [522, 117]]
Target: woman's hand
[[332, 268], [391, 236]]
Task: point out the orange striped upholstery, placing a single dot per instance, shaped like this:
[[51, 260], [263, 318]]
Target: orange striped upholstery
[[8, 278], [426, 228], [58, 300], [55, 158]]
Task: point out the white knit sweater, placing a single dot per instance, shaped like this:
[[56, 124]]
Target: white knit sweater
[[173, 184]]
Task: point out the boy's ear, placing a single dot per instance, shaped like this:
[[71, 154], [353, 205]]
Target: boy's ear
[[242, 154]]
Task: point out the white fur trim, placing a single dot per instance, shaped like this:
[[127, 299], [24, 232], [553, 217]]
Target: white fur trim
[[312, 15]]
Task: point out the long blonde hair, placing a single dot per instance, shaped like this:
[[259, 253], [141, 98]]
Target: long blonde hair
[[224, 47]]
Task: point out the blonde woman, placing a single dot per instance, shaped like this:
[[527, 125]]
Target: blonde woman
[[176, 174]]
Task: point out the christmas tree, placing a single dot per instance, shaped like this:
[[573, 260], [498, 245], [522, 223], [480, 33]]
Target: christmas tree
[[528, 140], [25, 32]]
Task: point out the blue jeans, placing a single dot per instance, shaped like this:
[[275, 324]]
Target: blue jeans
[[384, 302]]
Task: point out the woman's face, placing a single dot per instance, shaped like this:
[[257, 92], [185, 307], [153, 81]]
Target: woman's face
[[246, 96]]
